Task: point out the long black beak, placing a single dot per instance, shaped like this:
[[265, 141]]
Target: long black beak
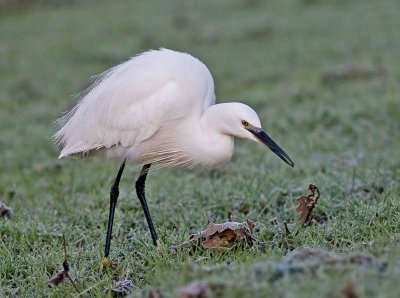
[[264, 138]]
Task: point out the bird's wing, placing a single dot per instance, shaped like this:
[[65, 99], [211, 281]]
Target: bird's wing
[[131, 101]]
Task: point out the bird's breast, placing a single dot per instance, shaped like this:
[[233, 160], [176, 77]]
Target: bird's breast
[[184, 144]]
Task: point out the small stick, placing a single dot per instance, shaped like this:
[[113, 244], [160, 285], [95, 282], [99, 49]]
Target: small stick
[[66, 266], [286, 228]]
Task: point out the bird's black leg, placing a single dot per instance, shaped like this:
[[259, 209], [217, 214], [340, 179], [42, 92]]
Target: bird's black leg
[[113, 202], [140, 184]]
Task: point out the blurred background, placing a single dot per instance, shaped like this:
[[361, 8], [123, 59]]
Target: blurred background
[[338, 59], [323, 75]]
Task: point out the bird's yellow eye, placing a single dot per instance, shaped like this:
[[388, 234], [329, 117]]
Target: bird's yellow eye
[[245, 123]]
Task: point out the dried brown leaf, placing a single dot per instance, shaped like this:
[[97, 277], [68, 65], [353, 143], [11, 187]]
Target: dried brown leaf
[[225, 235], [121, 287], [62, 276], [307, 204], [5, 211], [58, 279]]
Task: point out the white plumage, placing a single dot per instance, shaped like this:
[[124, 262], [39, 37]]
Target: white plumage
[[158, 107]]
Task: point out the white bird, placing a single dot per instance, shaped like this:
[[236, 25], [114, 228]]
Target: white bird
[[158, 109]]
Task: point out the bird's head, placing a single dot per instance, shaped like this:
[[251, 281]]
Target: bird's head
[[239, 120]]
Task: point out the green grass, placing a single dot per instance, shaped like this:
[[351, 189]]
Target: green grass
[[343, 136]]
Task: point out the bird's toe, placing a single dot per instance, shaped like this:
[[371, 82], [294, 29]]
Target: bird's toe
[[106, 262], [160, 247]]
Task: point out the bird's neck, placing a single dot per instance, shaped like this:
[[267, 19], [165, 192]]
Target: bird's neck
[[214, 119], [205, 142], [211, 141]]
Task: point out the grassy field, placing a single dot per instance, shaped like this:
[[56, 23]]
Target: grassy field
[[325, 79]]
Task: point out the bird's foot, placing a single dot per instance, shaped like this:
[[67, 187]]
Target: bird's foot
[[160, 247], [106, 262]]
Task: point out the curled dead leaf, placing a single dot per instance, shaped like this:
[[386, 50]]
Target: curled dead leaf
[[307, 204], [58, 278], [61, 276], [121, 287], [226, 235]]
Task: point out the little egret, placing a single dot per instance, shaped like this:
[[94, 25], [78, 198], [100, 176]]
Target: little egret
[[158, 109]]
